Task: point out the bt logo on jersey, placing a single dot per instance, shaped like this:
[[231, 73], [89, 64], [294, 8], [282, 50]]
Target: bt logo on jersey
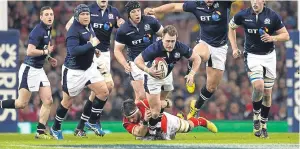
[[216, 16], [252, 31], [146, 38], [106, 26], [135, 42], [205, 18]]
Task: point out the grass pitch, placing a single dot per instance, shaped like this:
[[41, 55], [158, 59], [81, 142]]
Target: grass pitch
[[124, 140]]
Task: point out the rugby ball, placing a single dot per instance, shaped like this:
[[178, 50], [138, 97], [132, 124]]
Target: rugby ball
[[161, 65]]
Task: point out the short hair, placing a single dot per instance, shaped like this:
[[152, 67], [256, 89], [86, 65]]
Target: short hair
[[44, 8], [171, 30], [128, 107]]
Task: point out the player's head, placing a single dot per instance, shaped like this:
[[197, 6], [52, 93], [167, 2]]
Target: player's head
[[134, 11], [47, 15], [102, 3], [169, 37], [257, 5], [130, 111], [82, 14], [209, 2]]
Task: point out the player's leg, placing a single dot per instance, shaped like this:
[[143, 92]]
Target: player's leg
[[155, 108], [20, 103], [46, 97], [214, 72], [202, 49], [61, 112], [137, 82], [139, 91], [24, 92], [255, 74], [201, 121], [101, 94], [73, 82], [269, 64]]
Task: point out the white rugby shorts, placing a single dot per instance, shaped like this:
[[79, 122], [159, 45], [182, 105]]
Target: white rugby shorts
[[217, 57], [155, 86], [32, 78], [261, 63], [74, 81]]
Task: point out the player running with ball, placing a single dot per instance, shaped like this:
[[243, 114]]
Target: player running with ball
[[158, 83]]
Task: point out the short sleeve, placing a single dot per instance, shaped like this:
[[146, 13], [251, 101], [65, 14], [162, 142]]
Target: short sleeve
[[236, 20], [149, 54], [278, 24], [35, 37], [185, 50], [189, 6], [118, 15], [120, 36], [155, 25]]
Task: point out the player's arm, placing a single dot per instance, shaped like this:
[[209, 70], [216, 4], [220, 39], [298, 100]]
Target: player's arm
[[32, 51], [75, 49], [140, 63], [232, 26], [196, 61], [140, 130], [70, 22], [167, 8], [118, 52], [34, 40], [159, 32], [280, 30], [282, 35]]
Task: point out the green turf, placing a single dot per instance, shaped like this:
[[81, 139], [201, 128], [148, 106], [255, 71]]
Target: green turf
[[27, 141]]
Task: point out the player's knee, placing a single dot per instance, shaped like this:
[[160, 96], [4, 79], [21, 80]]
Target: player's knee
[[211, 88], [258, 91], [48, 101], [259, 87], [21, 104], [67, 103], [110, 85], [103, 93]]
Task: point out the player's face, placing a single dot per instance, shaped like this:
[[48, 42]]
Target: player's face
[[47, 17], [84, 18], [135, 118], [257, 5], [209, 2], [135, 15], [169, 42], [102, 3]]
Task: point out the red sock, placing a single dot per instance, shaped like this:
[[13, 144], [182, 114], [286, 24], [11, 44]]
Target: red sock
[[198, 121]]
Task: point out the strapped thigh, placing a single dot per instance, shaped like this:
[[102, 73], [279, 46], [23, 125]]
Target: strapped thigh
[[268, 83]]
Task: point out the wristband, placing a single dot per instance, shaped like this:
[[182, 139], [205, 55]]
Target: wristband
[[146, 69], [192, 72], [43, 52]]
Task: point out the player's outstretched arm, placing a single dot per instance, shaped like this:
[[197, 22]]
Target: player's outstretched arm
[[167, 8], [70, 22]]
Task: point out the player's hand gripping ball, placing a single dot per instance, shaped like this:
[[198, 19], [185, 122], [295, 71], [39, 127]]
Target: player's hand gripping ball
[[161, 65]]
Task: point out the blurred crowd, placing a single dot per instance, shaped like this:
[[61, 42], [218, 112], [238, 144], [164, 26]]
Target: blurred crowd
[[231, 101]]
